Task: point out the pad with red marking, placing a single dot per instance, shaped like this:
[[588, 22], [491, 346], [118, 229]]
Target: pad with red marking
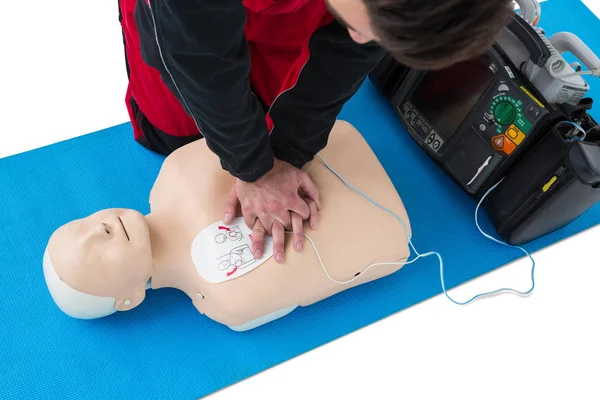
[[222, 252]]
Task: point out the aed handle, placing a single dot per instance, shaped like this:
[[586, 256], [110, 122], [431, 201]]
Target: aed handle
[[529, 10], [538, 51], [567, 42]]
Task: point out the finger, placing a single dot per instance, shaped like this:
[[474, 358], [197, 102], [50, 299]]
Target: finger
[[314, 213], [310, 189], [300, 207], [258, 239], [249, 217], [278, 240], [267, 221], [297, 229], [231, 205], [285, 219], [276, 210]]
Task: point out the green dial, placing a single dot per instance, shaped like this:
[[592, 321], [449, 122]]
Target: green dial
[[505, 113]]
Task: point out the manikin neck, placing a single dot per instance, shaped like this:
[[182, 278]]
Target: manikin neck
[[169, 269]]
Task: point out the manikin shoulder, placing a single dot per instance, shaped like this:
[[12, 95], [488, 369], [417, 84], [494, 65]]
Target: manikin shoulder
[[191, 174], [170, 182]]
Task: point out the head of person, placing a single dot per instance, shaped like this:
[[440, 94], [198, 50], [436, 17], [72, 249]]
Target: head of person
[[425, 34], [99, 264]]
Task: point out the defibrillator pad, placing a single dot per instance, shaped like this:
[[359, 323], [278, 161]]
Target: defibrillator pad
[[222, 252]]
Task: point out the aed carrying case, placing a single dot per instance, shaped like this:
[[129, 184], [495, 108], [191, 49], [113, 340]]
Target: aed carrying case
[[552, 184]]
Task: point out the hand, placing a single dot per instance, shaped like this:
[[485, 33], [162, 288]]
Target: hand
[[278, 231], [273, 200]]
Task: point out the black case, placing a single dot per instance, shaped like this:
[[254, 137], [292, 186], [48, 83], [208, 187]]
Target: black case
[[522, 210]]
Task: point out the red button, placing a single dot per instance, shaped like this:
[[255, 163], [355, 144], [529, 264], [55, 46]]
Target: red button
[[498, 142], [501, 143]]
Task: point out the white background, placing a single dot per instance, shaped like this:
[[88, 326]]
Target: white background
[[63, 75]]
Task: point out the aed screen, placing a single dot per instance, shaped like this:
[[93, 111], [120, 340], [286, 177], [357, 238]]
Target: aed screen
[[445, 97]]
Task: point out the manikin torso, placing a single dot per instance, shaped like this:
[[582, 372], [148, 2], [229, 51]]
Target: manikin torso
[[189, 194]]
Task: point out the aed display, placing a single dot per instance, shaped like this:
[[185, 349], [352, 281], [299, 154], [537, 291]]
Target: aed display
[[473, 118], [445, 97]]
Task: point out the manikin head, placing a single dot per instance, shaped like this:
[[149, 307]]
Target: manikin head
[[425, 34], [100, 264]]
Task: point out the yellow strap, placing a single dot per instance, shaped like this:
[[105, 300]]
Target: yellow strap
[[549, 183]]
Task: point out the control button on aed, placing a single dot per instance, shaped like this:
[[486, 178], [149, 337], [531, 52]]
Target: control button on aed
[[500, 143], [434, 142], [515, 134], [533, 111], [425, 128], [505, 113], [406, 106], [503, 88], [522, 124]]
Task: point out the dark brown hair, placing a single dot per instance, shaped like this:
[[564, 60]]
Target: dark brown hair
[[433, 34]]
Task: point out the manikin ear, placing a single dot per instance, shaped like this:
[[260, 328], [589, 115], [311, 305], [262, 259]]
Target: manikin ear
[[130, 302]]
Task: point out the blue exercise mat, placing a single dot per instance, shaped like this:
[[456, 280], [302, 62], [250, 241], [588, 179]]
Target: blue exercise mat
[[164, 349]]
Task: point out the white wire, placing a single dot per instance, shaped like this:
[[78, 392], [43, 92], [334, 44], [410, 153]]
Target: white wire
[[576, 126], [357, 276]]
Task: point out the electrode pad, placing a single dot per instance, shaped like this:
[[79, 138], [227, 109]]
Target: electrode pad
[[222, 252]]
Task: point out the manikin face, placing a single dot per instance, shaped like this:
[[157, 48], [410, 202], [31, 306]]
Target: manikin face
[[353, 14], [105, 254]]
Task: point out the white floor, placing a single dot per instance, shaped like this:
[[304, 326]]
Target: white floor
[[62, 75]]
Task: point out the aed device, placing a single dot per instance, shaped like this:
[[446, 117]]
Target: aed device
[[509, 119], [474, 118]]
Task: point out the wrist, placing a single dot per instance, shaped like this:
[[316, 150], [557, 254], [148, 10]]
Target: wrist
[[286, 157], [252, 176], [290, 147]]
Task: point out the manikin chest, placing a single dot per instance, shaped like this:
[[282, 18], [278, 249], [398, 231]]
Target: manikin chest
[[223, 252]]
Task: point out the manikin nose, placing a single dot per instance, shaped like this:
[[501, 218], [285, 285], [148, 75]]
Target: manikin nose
[[106, 228], [98, 231]]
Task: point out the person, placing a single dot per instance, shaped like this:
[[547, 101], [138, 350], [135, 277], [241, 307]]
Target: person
[[104, 263], [263, 81]]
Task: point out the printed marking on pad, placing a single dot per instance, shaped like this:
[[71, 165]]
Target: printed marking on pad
[[223, 252], [234, 234]]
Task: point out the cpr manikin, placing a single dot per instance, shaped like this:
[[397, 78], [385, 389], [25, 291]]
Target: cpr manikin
[[105, 262]]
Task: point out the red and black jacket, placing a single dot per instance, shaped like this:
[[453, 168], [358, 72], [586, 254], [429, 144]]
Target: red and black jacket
[[256, 78]]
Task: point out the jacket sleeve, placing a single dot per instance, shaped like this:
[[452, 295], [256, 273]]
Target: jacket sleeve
[[304, 115], [200, 50]]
